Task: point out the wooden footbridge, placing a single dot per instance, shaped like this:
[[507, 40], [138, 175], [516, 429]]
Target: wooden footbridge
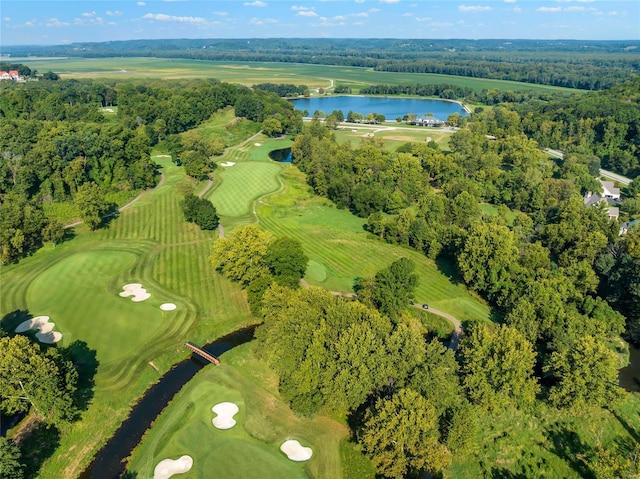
[[202, 353]]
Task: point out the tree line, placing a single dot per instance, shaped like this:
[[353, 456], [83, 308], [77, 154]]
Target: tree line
[[58, 145]]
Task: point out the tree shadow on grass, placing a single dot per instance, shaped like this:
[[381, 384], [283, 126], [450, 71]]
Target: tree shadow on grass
[[10, 321], [37, 441], [86, 363], [448, 268], [568, 446]]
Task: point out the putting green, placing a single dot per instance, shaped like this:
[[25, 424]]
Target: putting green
[[316, 271], [242, 184], [80, 294]]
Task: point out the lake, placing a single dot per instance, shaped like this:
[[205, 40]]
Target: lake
[[390, 107]]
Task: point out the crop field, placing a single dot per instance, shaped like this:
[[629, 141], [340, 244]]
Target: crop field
[[250, 73], [264, 422]]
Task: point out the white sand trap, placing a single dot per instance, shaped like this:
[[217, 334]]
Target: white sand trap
[[163, 156], [227, 163], [168, 307], [225, 412], [168, 467], [295, 451], [258, 144], [136, 290], [46, 333]]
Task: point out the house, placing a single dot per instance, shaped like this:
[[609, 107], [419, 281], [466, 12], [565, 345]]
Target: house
[[624, 227], [610, 192], [5, 76]]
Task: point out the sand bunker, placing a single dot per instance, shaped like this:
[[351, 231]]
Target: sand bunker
[[163, 156], [225, 412], [136, 290], [46, 333], [168, 467], [258, 144], [295, 451], [168, 307], [227, 163]]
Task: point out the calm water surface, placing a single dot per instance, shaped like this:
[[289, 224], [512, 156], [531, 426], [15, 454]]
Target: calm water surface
[[390, 107]]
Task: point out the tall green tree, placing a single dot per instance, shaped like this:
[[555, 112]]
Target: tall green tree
[[497, 367], [11, 466], [400, 435], [585, 375], [287, 261], [240, 257], [92, 205], [33, 380], [393, 288]]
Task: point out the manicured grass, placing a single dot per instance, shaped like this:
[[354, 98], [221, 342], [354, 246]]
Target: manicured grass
[[242, 184], [393, 138], [250, 73], [251, 448], [339, 247], [223, 126], [77, 284]]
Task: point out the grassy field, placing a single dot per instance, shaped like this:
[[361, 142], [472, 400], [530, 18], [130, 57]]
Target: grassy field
[[250, 73], [264, 422], [393, 138], [339, 248], [77, 284]]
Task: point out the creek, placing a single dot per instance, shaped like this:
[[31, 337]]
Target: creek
[[110, 461]]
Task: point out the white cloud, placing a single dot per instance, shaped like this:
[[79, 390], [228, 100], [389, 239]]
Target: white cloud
[[389, 1], [89, 14], [440, 24], [407, 14], [549, 9], [262, 21], [161, 17], [509, 1], [297, 8], [141, 4], [517, 9], [257, 3], [574, 9], [220, 14], [612, 13], [306, 13], [360, 1], [116, 13], [7, 19], [54, 22], [374, 10], [473, 8], [423, 19]]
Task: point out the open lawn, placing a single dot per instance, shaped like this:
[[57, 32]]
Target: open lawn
[[77, 285], [251, 73], [251, 447], [339, 248], [393, 136]]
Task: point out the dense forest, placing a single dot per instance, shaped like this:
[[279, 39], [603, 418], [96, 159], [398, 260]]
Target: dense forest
[[590, 65], [59, 145]]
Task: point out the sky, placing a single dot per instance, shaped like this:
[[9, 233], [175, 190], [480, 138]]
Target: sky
[[53, 22]]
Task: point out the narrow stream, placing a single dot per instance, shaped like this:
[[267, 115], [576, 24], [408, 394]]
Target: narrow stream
[[109, 462], [630, 376]]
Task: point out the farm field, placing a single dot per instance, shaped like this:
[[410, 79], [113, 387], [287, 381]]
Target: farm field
[[264, 422], [250, 73]]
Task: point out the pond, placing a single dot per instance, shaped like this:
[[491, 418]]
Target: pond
[[282, 155], [630, 376], [390, 107]]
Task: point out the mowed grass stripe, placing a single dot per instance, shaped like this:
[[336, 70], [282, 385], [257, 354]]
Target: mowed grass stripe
[[243, 183]]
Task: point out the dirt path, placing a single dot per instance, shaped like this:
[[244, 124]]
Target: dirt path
[[458, 331], [206, 188]]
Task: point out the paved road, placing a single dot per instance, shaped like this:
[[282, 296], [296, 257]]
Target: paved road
[[609, 174], [454, 342]]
